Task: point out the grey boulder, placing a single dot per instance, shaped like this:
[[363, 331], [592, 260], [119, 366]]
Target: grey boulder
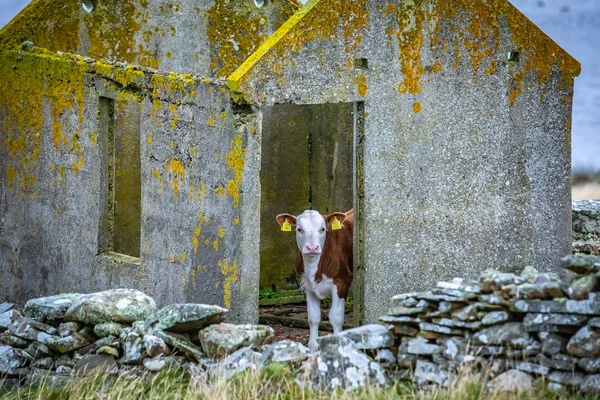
[[51, 308], [219, 340], [117, 305], [187, 317]]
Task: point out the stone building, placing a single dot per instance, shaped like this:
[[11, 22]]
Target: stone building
[[150, 144]]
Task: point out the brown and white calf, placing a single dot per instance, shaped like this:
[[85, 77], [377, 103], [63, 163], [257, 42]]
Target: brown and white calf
[[324, 262]]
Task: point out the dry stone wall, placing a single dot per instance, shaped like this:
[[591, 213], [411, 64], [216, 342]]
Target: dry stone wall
[[586, 226], [545, 325], [512, 329], [122, 333], [119, 332]]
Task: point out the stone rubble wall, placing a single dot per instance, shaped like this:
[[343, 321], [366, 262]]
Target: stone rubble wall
[[118, 332], [586, 226], [511, 328], [122, 333], [544, 325]]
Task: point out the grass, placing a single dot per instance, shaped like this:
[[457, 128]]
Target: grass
[[273, 382], [277, 293]]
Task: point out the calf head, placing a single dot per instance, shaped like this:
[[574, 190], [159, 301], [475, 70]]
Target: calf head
[[311, 228]]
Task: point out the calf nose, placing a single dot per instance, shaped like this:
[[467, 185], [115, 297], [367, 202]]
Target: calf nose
[[312, 248]]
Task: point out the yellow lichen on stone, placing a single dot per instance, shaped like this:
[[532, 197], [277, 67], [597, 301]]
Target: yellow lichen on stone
[[229, 273], [172, 84], [176, 172], [156, 106], [78, 164], [361, 85], [317, 20], [32, 24], [437, 67], [202, 192], [198, 230], [517, 83], [32, 82], [111, 28], [235, 160], [158, 177], [410, 16], [416, 107], [236, 29], [220, 191], [491, 69], [479, 24], [173, 111]]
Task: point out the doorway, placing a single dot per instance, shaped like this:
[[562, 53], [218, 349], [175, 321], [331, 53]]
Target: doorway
[[309, 155]]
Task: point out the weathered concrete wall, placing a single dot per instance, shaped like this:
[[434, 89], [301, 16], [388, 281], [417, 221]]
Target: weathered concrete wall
[[199, 184], [306, 164], [466, 154], [207, 37]]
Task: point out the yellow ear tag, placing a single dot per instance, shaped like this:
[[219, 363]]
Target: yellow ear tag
[[335, 224], [286, 227]]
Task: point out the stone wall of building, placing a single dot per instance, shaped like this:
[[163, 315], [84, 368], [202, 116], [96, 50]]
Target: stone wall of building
[[206, 37], [67, 183], [464, 159]]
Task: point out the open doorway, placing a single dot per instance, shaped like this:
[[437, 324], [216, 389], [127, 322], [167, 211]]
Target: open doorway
[[308, 161]]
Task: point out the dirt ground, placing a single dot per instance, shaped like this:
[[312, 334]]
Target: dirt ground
[[296, 312]]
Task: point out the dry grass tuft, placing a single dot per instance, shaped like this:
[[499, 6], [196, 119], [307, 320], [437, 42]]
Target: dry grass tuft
[[274, 382]]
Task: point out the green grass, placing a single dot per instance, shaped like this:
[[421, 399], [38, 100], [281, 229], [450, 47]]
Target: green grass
[[278, 293], [273, 382], [348, 305]]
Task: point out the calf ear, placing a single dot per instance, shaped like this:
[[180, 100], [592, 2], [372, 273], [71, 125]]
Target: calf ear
[[329, 219], [282, 217]]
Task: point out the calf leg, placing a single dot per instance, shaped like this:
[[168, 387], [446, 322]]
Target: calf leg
[[337, 311], [313, 306]]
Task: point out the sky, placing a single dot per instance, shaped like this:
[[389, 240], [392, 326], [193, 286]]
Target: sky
[[573, 24]]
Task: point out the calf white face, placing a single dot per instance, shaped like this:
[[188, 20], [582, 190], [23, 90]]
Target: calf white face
[[311, 229]]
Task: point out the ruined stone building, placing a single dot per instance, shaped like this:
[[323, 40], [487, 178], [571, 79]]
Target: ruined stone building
[[150, 144]]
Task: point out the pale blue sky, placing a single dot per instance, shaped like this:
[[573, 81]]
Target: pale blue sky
[[574, 24]]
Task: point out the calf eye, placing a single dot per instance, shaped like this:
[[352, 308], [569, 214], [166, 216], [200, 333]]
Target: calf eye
[[300, 230], [322, 230]]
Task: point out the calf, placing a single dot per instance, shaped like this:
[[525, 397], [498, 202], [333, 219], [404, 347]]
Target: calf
[[324, 262]]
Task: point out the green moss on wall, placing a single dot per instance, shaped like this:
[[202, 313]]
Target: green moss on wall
[[38, 80], [47, 24], [30, 80]]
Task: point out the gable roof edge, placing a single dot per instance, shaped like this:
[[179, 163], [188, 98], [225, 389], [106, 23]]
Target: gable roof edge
[[233, 80], [547, 37]]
